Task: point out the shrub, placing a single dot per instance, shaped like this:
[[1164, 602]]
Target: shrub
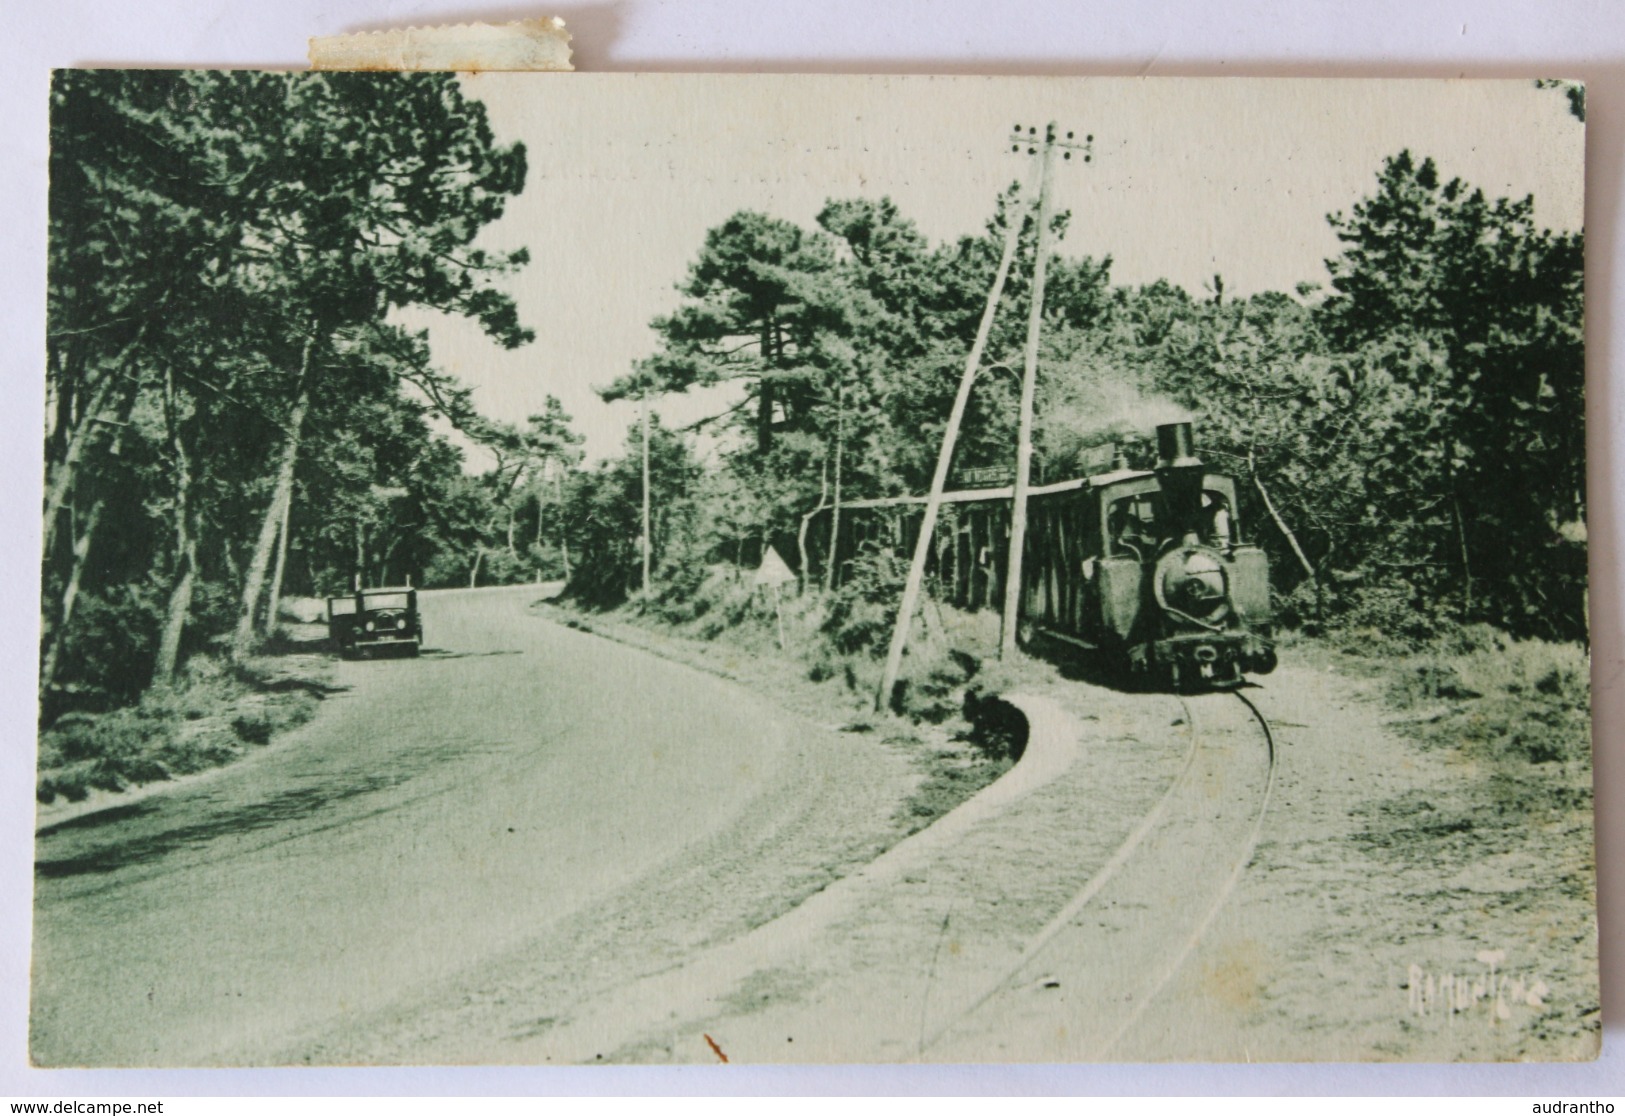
[[863, 610], [198, 722], [1516, 702], [107, 660], [1387, 617], [254, 726], [822, 663], [931, 689]]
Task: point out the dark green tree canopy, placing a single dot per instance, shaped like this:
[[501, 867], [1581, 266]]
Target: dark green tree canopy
[[225, 250]]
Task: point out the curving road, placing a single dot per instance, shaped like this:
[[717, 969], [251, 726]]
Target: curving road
[[437, 815]]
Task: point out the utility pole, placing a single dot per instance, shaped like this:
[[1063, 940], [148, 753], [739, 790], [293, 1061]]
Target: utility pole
[[647, 541], [1014, 218], [558, 510], [1029, 380]]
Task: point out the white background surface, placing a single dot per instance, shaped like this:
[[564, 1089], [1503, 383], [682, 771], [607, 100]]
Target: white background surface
[[1421, 38]]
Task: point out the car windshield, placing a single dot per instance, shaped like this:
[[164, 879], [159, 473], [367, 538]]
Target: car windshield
[[386, 600]]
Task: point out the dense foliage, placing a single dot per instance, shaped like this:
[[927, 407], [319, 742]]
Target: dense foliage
[[1410, 437], [233, 412], [236, 414]]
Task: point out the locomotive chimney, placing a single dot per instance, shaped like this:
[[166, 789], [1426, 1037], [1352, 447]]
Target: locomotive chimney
[[1180, 472], [1174, 447]]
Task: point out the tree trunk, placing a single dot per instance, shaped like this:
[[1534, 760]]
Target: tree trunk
[[281, 496], [564, 538], [275, 598], [70, 596], [1466, 562], [764, 398], [62, 473], [801, 532], [474, 570], [387, 557], [1292, 539], [835, 508], [180, 594], [648, 539], [175, 616], [358, 573]]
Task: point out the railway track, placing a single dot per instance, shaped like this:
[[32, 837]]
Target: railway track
[[798, 988], [1083, 982]]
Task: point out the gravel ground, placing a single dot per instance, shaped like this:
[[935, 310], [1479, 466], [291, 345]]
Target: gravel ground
[[1399, 905], [1393, 910], [1367, 926]]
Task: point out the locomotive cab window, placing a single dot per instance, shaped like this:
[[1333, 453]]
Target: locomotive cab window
[[1132, 525], [1218, 522]]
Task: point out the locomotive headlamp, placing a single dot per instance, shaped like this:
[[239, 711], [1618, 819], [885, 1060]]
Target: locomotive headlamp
[[1196, 584]]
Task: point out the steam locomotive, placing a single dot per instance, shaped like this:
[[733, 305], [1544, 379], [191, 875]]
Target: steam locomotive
[[1150, 568], [1146, 568]]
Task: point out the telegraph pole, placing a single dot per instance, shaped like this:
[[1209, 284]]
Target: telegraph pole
[[647, 541], [1014, 218], [1045, 149]]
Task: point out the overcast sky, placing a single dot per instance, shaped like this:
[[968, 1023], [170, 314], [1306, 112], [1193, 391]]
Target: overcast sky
[[1190, 177]]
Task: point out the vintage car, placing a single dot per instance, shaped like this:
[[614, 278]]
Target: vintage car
[[366, 619]]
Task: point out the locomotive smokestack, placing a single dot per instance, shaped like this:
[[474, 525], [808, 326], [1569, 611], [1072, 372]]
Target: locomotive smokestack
[[1180, 472], [1174, 447]]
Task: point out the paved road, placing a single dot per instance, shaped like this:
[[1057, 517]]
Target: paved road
[[437, 814]]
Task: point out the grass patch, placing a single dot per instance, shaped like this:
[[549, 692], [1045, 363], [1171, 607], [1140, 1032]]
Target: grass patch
[[210, 715], [948, 781], [837, 640], [1514, 703], [1517, 712]]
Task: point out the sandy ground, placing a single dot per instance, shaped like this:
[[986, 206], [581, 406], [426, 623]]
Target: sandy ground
[[691, 890], [1351, 934], [1392, 912]]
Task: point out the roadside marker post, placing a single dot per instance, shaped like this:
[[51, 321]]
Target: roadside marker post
[[773, 573]]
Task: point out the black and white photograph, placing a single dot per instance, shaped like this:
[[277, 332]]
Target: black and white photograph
[[645, 569]]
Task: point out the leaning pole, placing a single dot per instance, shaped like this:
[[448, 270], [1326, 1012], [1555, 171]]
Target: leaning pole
[[939, 479]]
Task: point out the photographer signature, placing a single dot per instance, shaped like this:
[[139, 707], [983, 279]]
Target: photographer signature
[[1452, 994]]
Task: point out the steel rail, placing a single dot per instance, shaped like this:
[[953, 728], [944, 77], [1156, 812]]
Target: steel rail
[[1249, 847], [1090, 889], [1110, 869]]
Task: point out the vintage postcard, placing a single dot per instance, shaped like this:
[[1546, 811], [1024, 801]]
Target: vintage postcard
[[576, 569]]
